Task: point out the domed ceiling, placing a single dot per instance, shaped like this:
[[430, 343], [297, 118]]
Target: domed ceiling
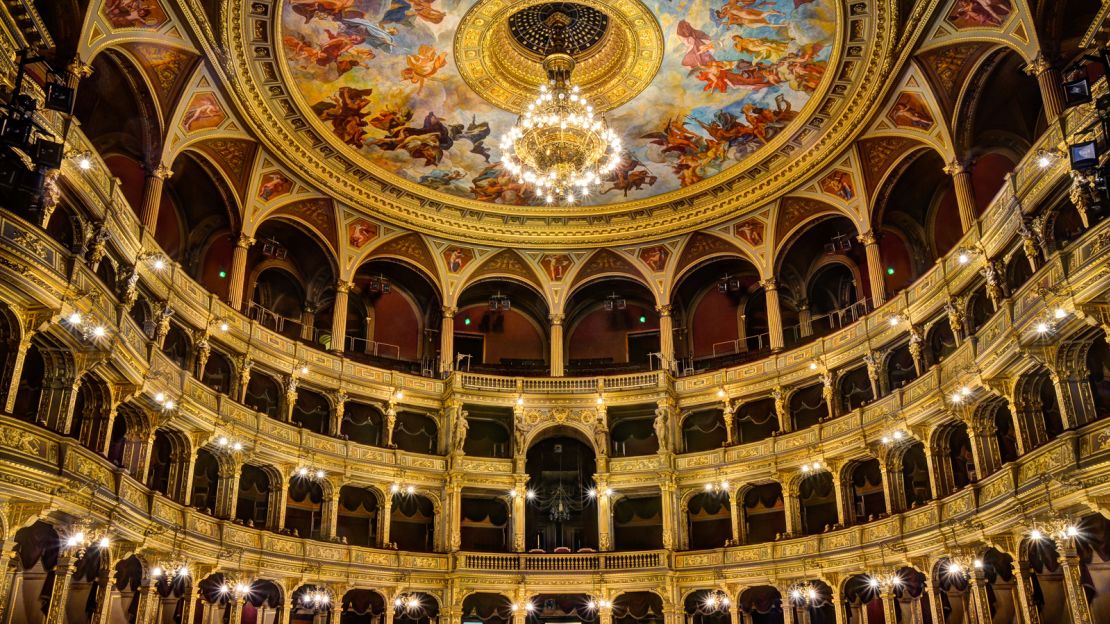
[[397, 106], [392, 79]]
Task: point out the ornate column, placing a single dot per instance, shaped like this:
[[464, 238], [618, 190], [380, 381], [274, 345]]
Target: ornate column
[[1023, 594], [791, 505], [238, 274], [329, 516], [893, 502], [557, 360], [666, 335], [227, 488], [979, 603], [386, 521], [805, 318], [668, 502], [1073, 393], [604, 513], [147, 610], [9, 575], [838, 493], [291, 383], [735, 519], [14, 370], [152, 197], [454, 512], [518, 511], [778, 394], [1078, 606], [59, 394], [59, 594], [339, 317], [192, 596], [774, 313], [236, 607], [1048, 79], [308, 321], [874, 267], [965, 192], [447, 340], [984, 446]]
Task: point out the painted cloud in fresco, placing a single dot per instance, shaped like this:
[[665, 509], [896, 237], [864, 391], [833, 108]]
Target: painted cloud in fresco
[[379, 74]]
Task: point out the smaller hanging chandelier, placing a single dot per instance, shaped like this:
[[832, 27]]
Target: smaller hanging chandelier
[[558, 146]]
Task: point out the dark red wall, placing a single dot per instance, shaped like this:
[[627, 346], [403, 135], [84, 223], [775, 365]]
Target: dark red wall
[[132, 178], [895, 254], [988, 176], [396, 323], [514, 337], [714, 320], [604, 334], [216, 258]]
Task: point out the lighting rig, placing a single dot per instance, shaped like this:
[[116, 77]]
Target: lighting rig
[[500, 303], [615, 302], [28, 150]]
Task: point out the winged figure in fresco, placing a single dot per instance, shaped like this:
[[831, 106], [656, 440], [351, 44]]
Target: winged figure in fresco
[[428, 141], [748, 13], [422, 66], [630, 174], [333, 9], [374, 35], [405, 12], [676, 138], [699, 46], [346, 110]]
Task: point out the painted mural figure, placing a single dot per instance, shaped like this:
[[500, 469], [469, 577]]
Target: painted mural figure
[[380, 76]]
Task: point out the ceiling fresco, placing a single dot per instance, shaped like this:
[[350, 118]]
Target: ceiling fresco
[[380, 77]]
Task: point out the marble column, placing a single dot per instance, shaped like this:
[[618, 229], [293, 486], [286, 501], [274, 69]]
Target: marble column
[[59, 594], [454, 512], [979, 603], [1078, 606], [774, 313], [965, 192], [519, 508], [192, 596], [447, 340], [792, 508], [339, 317], [841, 499], [13, 372], [736, 519], [152, 197], [874, 267], [1023, 594], [890, 606], [329, 513], [147, 611], [666, 336], [386, 522], [1049, 81], [558, 363], [238, 274], [668, 502], [227, 489], [604, 514]]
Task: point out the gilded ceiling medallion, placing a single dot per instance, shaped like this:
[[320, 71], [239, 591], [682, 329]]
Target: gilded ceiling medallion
[[499, 49]]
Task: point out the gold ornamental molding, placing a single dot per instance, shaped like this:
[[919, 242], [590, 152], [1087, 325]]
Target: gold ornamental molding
[[610, 73], [864, 59]]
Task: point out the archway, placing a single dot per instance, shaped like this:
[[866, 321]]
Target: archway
[[359, 518], [501, 327], [412, 523], [709, 520], [611, 326], [764, 513], [561, 512], [484, 525], [721, 312]]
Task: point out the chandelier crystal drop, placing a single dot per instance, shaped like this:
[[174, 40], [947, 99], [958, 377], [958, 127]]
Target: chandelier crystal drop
[[559, 146]]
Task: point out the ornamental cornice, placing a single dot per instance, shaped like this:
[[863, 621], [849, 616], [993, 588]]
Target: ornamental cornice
[[256, 80]]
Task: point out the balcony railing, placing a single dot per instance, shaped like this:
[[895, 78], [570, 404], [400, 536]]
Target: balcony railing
[[576, 562]]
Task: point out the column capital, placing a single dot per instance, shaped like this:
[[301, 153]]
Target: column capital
[[79, 69], [1039, 65], [868, 238], [161, 172], [956, 167], [556, 319], [771, 283], [244, 241], [344, 286], [663, 309], [449, 311]]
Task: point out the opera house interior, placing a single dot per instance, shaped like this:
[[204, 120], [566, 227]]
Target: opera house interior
[[289, 336]]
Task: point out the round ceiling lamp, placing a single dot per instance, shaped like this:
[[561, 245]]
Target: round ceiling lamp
[[558, 146]]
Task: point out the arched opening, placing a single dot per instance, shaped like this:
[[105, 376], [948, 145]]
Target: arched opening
[[415, 433], [128, 444], [819, 271], [811, 601], [309, 604], [412, 523], [818, 503], [939, 343], [127, 587], [168, 455], [312, 411], [359, 520], [292, 282], [723, 313], [177, 347], [561, 513], [909, 596], [709, 520], [900, 367], [611, 327], [916, 488], [1098, 367], [37, 548], [91, 413], [952, 453], [951, 583], [755, 421], [206, 481], [255, 497], [489, 432], [485, 525], [979, 310], [31, 380], [362, 423], [218, 373], [304, 508], [865, 488], [855, 389], [762, 604], [703, 430], [487, 608], [863, 602], [362, 606], [554, 608], [764, 513], [998, 569], [706, 606], [501, 327], [1018, 272], [639, 607], [263, 604], [416, 608], [638, 522], [393, 313], [632, 430], [808, 407], [263, 394]]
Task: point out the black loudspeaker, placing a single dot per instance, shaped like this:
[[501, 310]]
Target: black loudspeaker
[[15, 131], [1083, 155], [1077, 92], [59, 98], [48, 154]]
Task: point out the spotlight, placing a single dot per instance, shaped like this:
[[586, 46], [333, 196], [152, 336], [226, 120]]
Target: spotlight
[[1042, 328], [395, 488], [302, 472], [224, 326], [320, 474], [99, 331], [1059, 313], [1036, 535], [591, 492], [531, 494], [410, 490], [74, 318]]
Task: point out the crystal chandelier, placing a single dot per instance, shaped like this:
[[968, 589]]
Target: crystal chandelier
[[558, 146]]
